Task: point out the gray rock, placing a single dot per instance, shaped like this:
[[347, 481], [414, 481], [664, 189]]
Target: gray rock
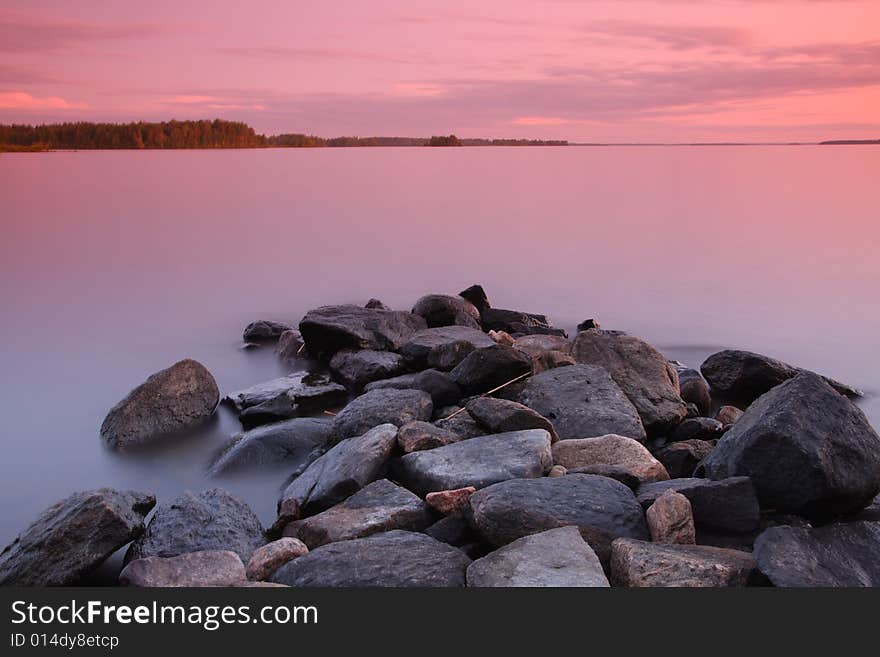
[[462, 425], [417, 436], [554, 558], [275, 410], [443, 390], [516, 323], [168, 402], [358, 368], [500, 415], [73, 537], [447, 310], [438, 347], [206, 568], [641, 564], [307, 392], [264, 330], [290, 345], [376, 304], [726, 505], [698, 428], [328, 329], [487, 368], [382, 406], [681, 458], [398, 559], [616, 472]]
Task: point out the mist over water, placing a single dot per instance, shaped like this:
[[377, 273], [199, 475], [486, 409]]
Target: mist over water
[[117, 264]]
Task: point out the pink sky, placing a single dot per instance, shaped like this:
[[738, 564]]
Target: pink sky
[[629, 70]]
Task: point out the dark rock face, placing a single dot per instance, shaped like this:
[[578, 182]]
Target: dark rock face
[[582, 401], [744, 376], [681, 458], [447, 310], [501, 415], [645, 376], [294, 442], [588, 324], [487, 368], [358, 368], [170, 401], [835, 555], [516, 323], [309, 393], [726, 505], [639, 564], [417, 436], [275, 410], [698, 428], [195, 522], [73, 537], [452, 530], [556, 557], [207, 568], [807, 449], [443, 390], [264, 330], [694, 389], [601, 508], [343, 470], [477, 462], [378, 507], [399, 559], [329, 329], [438, 347], [382, 406], [476, 295]]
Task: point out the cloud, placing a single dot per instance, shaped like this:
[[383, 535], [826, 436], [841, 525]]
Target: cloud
[[19, 100], [286, 52], [676, 37]]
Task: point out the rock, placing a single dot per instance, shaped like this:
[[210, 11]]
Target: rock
[[807, 449], [74, 536], [264, 330], [288, 511], [269, 558], [343, 470], [582, 401], [462, 425], [476, 295], [447, 310], [377, 507], [671, 520], [744, 376], [443, 390], [452, 530], [698, 428], [601, 508], [382, 406], [726, 505], [204, 568], [376, 304], [681, 458], [450, 502], [308, 393], [557, 471], [613, 450], [398, 559], [275, 410], [168, 402], [588, 324], [294, 443], [641, 564], [549, 360], [694, 388], [196, 522], [477, 462], [502, 337], [535, 345], [438, 347], [501, 415], [329, 329], [487, 368], [416, 436], [358, 368], [691, 410], [515, 322], [645, 376], [553, 558], [615, 472], [727, 415], [842, 554]]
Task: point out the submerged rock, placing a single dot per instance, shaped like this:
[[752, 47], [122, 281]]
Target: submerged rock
[[727, 505], [487, 368], [447, 310], [443, 347], [264, 330], [381, 406], [275, 410], [358, 368], [610, 450], [501, 415], [329, 329], [205, 568]]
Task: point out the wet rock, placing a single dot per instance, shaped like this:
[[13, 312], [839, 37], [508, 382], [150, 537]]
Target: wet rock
[[645, 376], [264, 330], [476, 295], [807, 449], [443, 390], [377, 507], [582, 401], [694, 388], [329, 329], [535, 345], [204, 568], [726, 505], [269, 558], [275, 410], [196, 522], [615, 472], [358, 368], [418, 435], [487, 368], [450, 502], [382, 406], [73, 537], [443, 347], [727, 415], [611, 450], [671, 520], [477, 462], [447, 310], [168, 402], [681, 458], [398, 559], [461, 424], [308, 393], [641, 564], [553, 558], [501, 415], [698, 428]]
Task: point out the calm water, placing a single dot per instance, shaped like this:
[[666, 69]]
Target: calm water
[[116, 264]]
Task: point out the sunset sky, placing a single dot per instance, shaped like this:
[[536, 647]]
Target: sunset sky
[[630, 70]]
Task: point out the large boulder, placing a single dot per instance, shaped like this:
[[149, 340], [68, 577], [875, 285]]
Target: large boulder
[[613, 450], [447, 310], [73, 537], [601, 508], [195, 522], [293, 443], [343, 470], [582, 401], [328, 329], [743, 376], [726, 505], [501, 415], [485, 369], [358, 368], [206, 568], [477, 462], [443, 390], [308, 393], [443, 347], [645, 376], [168, 402], [642, 564], [807, 449], [397, 558], [382, 406], [264, 330], [378, 507], [554, 558], [843, 554]]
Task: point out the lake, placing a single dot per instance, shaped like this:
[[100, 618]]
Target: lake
[[116, 264]]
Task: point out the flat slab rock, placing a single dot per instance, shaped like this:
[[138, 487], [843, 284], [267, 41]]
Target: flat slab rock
[[329, 329], [726, 505], [611, 450], [477, 462], [500, 415], [207, 568], [642, 564], [433, 347], [382, 406], [305, 391], [397, 558], [73, 537], [554, 558]]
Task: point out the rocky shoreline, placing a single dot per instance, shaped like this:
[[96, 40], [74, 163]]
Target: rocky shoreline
[[458, 444]]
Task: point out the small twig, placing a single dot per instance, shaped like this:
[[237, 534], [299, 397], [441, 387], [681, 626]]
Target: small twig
[[330, 413], [493, 390], [301, 347]]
